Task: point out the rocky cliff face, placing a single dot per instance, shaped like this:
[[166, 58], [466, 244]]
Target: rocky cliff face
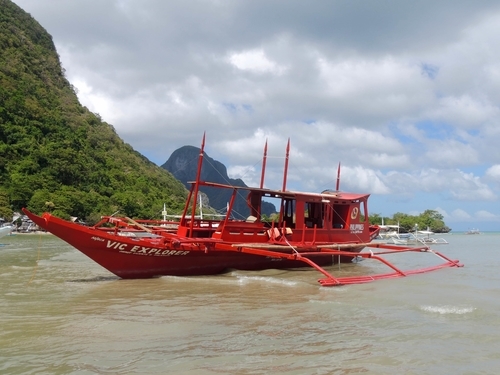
[[183, 165]]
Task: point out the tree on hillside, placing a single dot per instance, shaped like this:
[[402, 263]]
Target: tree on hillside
[[408, 223], [5, 210]]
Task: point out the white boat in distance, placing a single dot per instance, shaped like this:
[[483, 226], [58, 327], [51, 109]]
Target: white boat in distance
[[473, 231], [388, 231], [5, 230], [418, 237]]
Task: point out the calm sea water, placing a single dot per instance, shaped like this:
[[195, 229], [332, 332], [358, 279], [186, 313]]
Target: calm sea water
[[60, 313]]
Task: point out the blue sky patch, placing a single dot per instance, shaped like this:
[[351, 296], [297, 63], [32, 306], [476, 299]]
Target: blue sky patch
[[430, 71], [435, 130]]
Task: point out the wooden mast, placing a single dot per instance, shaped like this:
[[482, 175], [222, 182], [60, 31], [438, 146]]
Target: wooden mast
[[285, 173], [264, 159], [338, 178], [197, 185]]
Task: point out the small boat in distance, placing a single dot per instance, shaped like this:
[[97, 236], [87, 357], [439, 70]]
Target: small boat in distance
[[419, 237], [310, 229], [5, 230], [473, 231], [388, 231]]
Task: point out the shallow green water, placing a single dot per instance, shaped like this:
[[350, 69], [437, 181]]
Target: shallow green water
[[63, 314]]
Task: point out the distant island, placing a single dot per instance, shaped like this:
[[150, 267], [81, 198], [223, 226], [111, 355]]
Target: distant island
[[183, 166], [429, 219]]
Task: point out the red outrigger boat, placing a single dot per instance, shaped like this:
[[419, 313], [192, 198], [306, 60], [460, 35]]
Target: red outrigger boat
[[313, 229]]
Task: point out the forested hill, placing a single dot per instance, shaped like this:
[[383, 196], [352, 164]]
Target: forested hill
[[54, 153]]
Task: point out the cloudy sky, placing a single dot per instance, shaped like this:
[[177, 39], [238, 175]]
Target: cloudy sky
[[405, 94]]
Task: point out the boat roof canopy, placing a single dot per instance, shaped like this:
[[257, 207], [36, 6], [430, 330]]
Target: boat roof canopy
[[327, 194]]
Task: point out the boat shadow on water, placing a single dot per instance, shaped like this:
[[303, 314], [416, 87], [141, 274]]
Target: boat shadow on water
[[96, 279]]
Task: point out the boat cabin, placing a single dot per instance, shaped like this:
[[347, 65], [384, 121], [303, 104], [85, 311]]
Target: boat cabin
[[329, 216]]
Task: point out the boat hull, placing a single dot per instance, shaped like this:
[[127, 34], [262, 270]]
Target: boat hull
[[129, 257], [152, 255]]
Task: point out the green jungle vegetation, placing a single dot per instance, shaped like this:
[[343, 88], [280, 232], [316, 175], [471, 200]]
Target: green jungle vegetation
[[408, 223], [56, 155]]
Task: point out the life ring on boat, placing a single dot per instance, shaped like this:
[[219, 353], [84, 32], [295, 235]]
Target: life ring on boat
[[354, 213]]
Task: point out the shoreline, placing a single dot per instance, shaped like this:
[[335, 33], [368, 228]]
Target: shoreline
[[28, 233]]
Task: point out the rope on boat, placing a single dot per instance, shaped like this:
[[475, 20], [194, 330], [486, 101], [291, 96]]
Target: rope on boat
[[288, 243]]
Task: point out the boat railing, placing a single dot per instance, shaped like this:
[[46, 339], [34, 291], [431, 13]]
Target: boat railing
[[202, 228], [241, 231]]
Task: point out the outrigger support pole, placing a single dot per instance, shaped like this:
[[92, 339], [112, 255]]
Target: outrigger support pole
[[330, 280], [293, 256]]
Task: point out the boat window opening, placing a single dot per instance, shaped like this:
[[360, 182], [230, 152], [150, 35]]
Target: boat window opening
[[289, 213], [362, 212], [254, 202], [340, 212], [313, 215], [276, 201]]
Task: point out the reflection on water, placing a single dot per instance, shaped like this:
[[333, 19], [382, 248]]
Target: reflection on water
[[62, 313]]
